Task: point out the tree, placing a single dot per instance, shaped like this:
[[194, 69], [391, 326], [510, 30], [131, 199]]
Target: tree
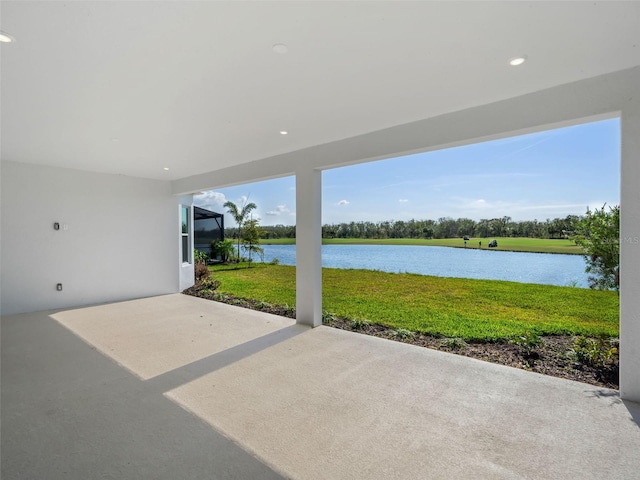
[[599, 234], [251, 239], [240, 217]]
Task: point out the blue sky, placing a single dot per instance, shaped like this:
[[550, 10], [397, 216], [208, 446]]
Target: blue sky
[[537, 176]]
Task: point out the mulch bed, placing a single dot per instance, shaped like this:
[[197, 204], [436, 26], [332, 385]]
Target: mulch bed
[[550, 358]]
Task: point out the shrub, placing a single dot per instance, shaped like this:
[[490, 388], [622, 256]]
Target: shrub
[[201, 272], [209, 283], [528, 343], [328, 318], [288, 311], [403, 333], [200, 269], [223, 249], [453, 343], [275, 261], [599, 234], [199, 257], [594, 352], [359, 323], [219, 297]]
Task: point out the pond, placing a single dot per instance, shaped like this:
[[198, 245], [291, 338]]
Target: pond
[[543, 268]]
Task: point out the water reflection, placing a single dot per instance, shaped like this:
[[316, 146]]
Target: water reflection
[[543, 268]]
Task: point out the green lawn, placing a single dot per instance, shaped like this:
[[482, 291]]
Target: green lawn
[[515, 244], [485, 310]]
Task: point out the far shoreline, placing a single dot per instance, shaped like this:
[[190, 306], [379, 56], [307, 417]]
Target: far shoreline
[[505, 244]]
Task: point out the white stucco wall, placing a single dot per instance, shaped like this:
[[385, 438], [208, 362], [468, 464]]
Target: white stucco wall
[[119, 243]]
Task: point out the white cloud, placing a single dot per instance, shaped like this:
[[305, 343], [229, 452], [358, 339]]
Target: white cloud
[[279, 210], [211, 201], [403, 200], [343, 202]]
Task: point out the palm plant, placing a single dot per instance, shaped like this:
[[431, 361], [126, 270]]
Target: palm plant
[[240, 216], [223, 249]]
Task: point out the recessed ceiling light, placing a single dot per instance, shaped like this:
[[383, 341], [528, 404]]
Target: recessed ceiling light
[[166, 168], [515, 61], [6, 38], [280, 48], [284, 132]]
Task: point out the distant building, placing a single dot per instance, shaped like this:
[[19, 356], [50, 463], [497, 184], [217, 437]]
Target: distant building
[[208, 227]]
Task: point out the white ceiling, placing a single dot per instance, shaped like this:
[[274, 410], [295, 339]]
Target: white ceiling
[[133, 87]]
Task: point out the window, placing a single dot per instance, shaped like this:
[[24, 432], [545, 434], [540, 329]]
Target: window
[[184, 219]]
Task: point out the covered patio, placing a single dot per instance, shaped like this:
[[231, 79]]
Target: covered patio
[[179, 387], [113, 107]]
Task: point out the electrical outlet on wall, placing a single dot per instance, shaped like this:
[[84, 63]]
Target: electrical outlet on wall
[[59, 287]]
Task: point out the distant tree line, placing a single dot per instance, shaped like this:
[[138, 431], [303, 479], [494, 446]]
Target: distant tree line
[[445, 227]]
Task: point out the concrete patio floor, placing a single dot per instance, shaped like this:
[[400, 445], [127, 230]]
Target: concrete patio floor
[[178, 387]]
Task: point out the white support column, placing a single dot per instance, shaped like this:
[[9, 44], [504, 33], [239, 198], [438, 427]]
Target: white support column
[[630, 253], [309, 247]]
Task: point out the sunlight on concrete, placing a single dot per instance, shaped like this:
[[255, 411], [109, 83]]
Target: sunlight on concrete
[[335, 404], [152, 336]]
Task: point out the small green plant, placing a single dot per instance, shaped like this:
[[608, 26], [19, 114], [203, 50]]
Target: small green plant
[[454, 343], [275, 261], [209, 283], [206, 292], [328, 318], [219, 297], [289, 311], [594, 352], [359, 323], [528, 343], [199, 257], [263, 305], [403, 333], [200, 270]]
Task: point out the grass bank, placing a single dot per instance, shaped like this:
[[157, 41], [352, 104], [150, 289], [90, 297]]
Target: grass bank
[[474, 310], [511, 244]]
